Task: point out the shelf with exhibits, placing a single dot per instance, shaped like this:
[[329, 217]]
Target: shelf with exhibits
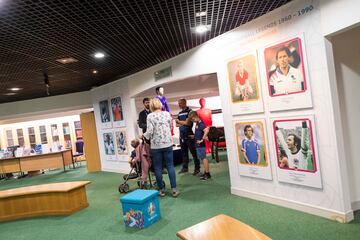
[[61, 133], [36, 162]]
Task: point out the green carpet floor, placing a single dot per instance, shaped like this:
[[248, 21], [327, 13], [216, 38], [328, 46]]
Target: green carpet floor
[[198, 201]]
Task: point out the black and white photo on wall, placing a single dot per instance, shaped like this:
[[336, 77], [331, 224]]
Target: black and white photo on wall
[[296, 151], [121, 142]]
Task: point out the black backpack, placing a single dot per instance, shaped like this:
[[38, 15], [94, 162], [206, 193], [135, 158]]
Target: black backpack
[[213, 134]]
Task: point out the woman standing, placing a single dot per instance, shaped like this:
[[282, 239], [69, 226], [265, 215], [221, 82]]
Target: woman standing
[[159, 132]]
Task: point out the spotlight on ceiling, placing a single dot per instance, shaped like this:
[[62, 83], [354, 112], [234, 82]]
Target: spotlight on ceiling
[[94, 71], [15, 89], [201, 29], [66, 60], [201, 14], [9, 94], [99, 55]]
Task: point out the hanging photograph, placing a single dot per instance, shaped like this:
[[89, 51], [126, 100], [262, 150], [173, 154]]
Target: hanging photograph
[[117, 112], [287, 81], [109, 143], [252, 151], [244, 84], [104, 114], [121, 142], [297, 161]]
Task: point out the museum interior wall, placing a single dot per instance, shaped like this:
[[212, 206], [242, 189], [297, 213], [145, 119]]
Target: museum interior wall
[[28, 109], [346, 55], [323, 190], [110, 126], [320, 191]]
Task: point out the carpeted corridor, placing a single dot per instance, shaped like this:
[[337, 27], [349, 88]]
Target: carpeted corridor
[[198, 201]]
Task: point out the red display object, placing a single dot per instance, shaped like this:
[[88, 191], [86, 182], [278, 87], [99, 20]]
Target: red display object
[[205, 116]]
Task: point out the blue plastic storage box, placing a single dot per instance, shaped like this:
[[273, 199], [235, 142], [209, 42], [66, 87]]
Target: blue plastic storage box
[[141, 208]]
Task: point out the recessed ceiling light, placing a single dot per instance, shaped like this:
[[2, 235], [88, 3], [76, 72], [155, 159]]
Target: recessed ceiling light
[[99, 55], [15, 89], [94, 71], [66, 60], [9, 94], [200, 14], [201, 29]]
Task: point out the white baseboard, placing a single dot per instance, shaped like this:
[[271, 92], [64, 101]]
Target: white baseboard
[[123, 171], [355, 205], [318, 211]]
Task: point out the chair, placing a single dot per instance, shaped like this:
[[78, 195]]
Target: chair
[[217, 138], [79, 147]]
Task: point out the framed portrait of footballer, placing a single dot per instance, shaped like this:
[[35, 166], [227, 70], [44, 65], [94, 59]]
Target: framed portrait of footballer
[[117, 112], [244, 83], [287, 75], [121, 142], [296, 151], [252, 149], [104, 113], [108, 143]]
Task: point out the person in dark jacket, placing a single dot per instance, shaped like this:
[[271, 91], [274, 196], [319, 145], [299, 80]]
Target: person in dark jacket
[[143, 114]]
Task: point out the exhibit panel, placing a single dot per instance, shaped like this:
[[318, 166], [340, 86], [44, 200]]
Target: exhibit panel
[[287, 81], [118, 118], [104, 113], [297, 23], [296, 151], [252, 148], [245, 86], [114, 136]]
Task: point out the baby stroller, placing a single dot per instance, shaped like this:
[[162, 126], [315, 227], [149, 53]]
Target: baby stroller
[[142, 162]]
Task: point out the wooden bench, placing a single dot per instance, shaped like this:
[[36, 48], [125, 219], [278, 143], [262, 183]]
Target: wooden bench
[[40, 200], [221, 227]]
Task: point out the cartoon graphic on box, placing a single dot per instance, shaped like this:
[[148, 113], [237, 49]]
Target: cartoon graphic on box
[[151, 209], [134, 219]]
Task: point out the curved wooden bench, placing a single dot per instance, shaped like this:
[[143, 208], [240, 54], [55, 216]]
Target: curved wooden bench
[[221, 227], [40, 200]]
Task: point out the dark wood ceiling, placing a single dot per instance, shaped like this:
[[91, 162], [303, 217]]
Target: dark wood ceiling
[[133, 34]]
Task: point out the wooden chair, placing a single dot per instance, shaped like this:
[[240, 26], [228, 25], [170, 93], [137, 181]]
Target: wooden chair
[[221, 227]]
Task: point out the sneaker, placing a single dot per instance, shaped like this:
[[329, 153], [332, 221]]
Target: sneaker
[[175, 194], [196, 172], [202, 175], [183, 170], [161, 193], [205, 177]]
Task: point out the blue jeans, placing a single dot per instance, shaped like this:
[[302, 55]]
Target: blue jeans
[[158, 157], [186, 145]]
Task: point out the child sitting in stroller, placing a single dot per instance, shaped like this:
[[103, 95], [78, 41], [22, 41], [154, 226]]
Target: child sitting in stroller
[[141, 155]]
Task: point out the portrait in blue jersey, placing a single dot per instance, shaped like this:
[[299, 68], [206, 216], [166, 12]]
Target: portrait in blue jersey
[[251, 143]]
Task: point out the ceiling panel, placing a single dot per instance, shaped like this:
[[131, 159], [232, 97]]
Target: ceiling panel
[[134, 35]]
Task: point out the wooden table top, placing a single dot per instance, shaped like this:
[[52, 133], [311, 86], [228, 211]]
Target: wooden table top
[[43, 188], [221, 227], [37, 155]]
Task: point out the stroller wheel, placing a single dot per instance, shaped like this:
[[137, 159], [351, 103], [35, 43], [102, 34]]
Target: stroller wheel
[[124, 188]]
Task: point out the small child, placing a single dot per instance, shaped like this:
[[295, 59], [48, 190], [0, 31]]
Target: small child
[[132, 160], [141, 154], [201, 132]]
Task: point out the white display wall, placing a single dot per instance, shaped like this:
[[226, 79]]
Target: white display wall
[[114, 153], [346, 53], [328, 196]]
